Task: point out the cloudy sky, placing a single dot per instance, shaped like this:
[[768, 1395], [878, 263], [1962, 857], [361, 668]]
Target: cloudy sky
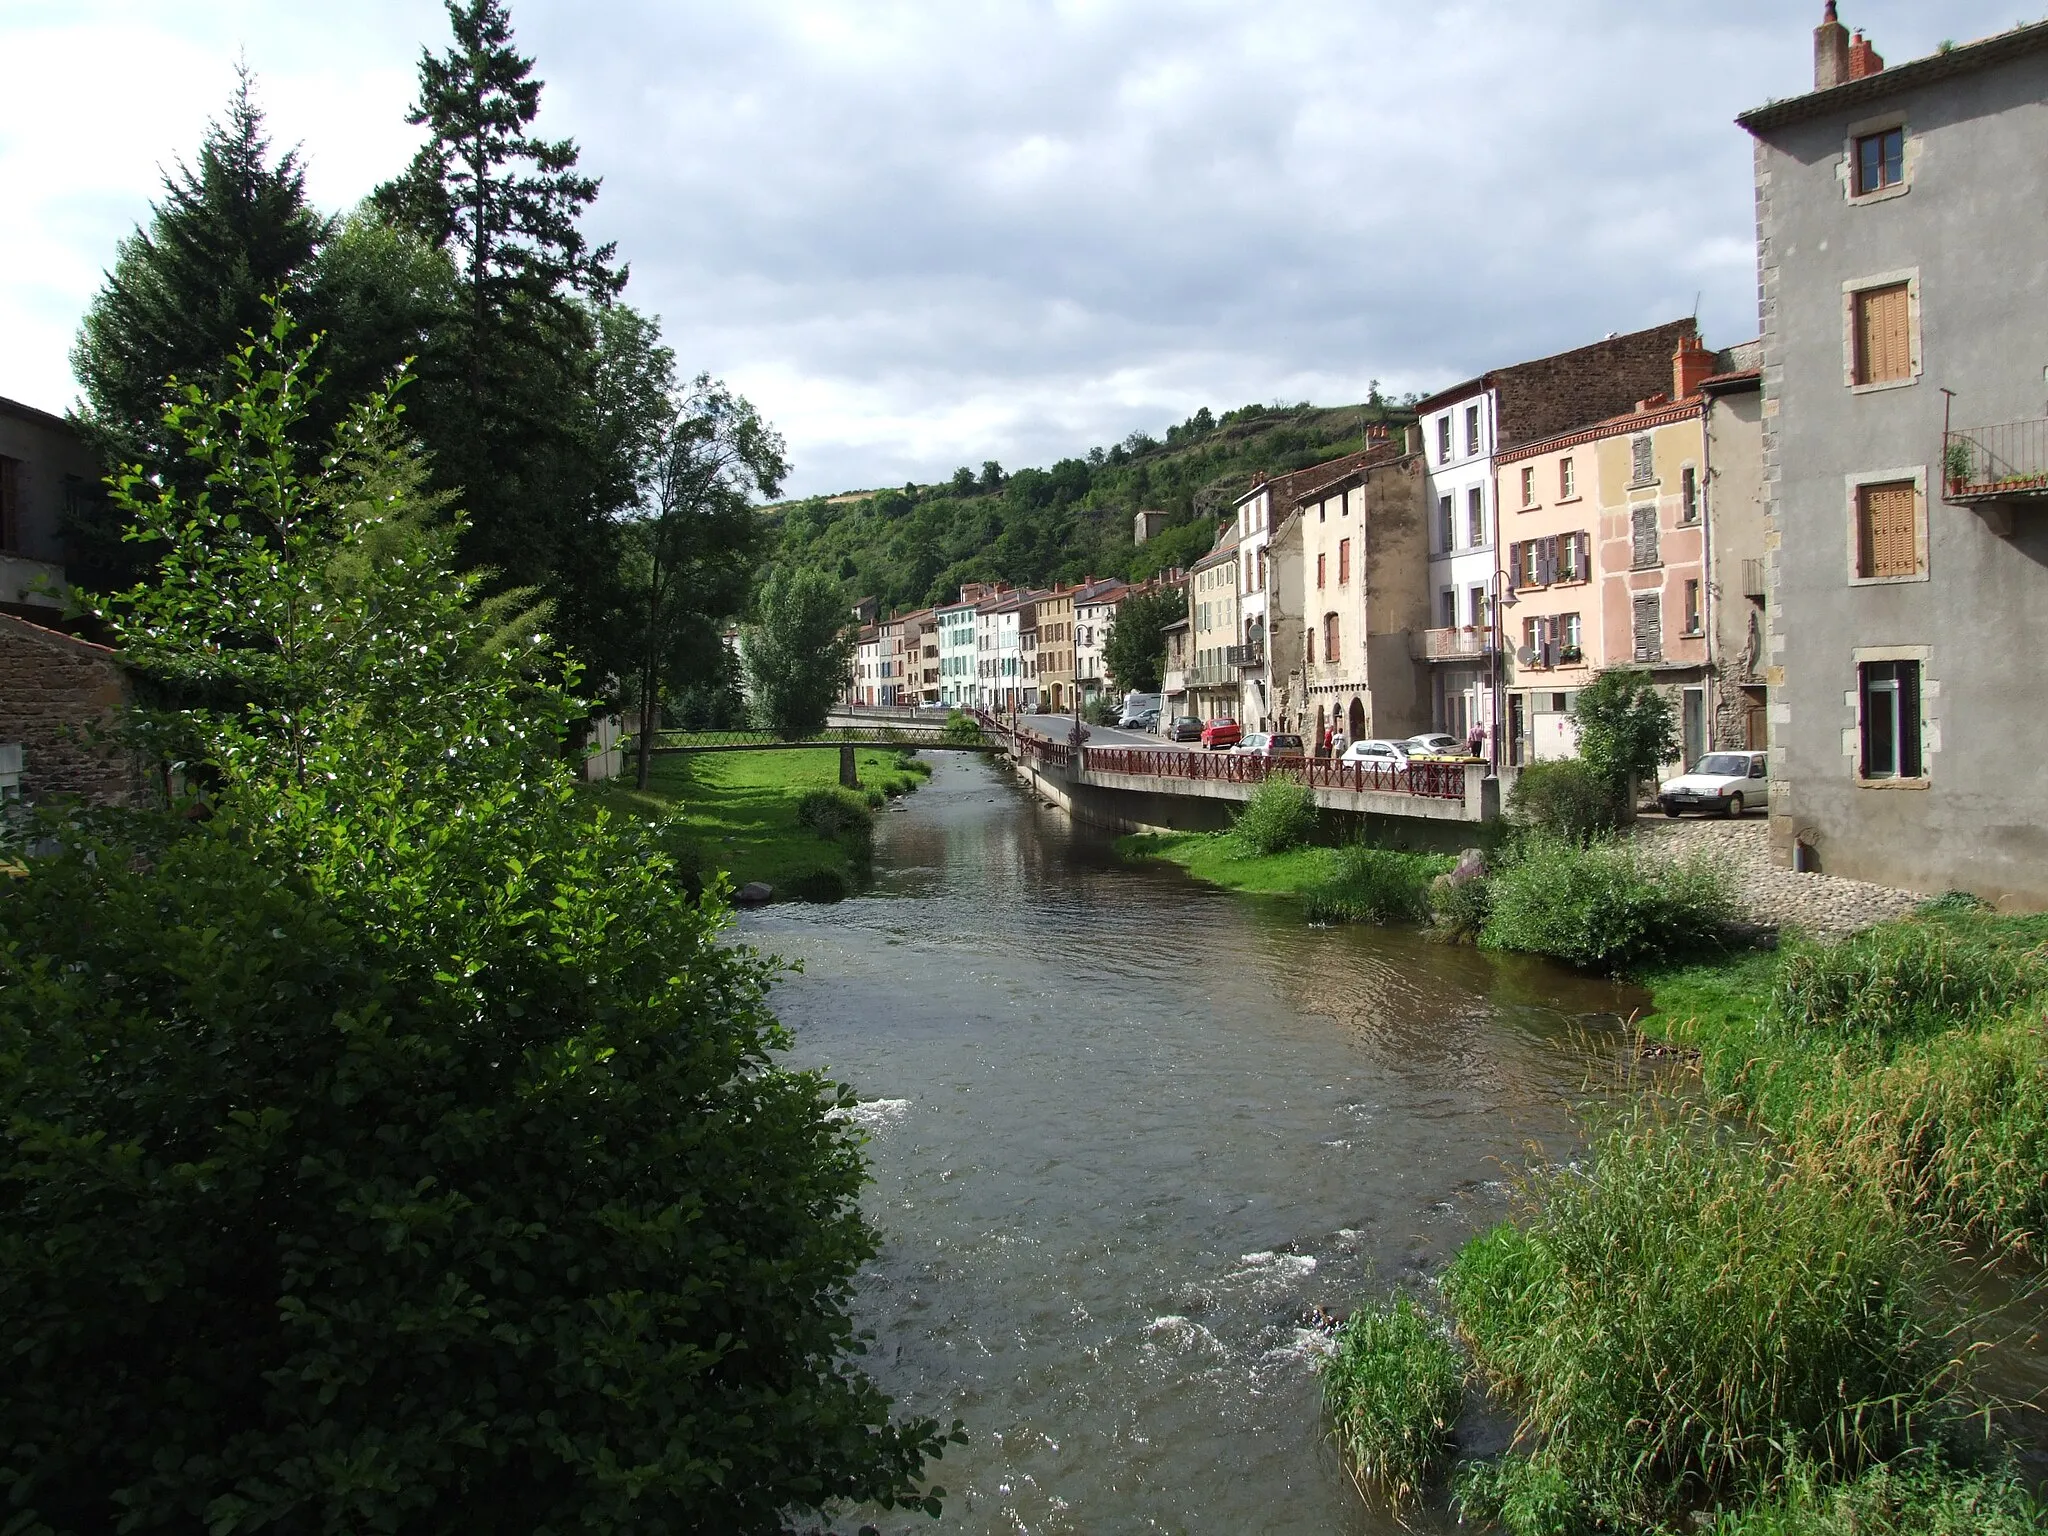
[[921, 233]]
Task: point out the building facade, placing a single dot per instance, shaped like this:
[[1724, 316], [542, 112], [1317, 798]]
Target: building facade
[[1212, 618], [1906, 457], [46, 475], [1094, 616], [1056, 650]]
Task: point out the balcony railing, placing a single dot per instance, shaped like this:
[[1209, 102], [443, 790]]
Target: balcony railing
[[2003, 463], [1457, 642], [1212, 674], [1246, 655], [1175, 681]]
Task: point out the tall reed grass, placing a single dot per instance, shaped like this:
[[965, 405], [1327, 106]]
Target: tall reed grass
[[1918, 1496], [1392, 1389], [1686, 1317], [1375, 885], [1280, 815], [1605, 907]]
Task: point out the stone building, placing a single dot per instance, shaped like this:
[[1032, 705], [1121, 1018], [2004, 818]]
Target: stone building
[[1901, 213], [59, 696], [46, 475]]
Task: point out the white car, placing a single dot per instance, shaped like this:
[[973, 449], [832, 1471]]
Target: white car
[[1728, 782], [1434, 744], [1384, 754]]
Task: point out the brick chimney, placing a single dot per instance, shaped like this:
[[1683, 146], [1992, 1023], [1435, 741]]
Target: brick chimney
[[1863, 59], [1691, 363], [1830, 51]]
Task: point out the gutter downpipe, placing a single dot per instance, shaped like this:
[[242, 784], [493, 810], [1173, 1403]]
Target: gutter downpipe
[[1711, 582]]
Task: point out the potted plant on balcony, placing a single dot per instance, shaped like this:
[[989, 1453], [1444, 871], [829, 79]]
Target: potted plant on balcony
[[1956, 460], [1570, 656]]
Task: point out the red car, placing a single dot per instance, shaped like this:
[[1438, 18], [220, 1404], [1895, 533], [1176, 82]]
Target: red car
[[1218, 734]]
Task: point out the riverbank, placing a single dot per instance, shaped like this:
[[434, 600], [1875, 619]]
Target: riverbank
[[742, 813]]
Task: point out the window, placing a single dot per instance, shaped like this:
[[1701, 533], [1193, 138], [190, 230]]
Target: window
[[1642, 463], [10, 504], [1480, 619], [1330, 648], [1880, 161], [1447, 605], [1643, 534], [1471, 429], [1688, 495], [1567, 480], [1888, 693], [1569, 632], [1443, 439], [1322, 563], [1883, 334], [1649, 627], [1887, 530], [1475, 517], [1529, 486], [1443, 524], [1310, 658], [1692, 607], [1343, 561]]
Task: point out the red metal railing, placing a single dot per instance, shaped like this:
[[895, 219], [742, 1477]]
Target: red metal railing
[[1435, 781]]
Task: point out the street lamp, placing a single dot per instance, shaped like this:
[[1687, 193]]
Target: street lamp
[[1500, 589]]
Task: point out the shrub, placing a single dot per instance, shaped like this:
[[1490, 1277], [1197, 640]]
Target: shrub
[[1392, 1387], [818, 885], [1280, 815], [1625, 726], [962, 730], [1690, 1315], [1606, 907], [1374, 885], [1565, 800], [833, 812], [1460, 908], [1901, 981], [1916, 1496]]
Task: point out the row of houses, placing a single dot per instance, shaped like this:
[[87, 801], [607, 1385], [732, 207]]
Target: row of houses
[[998, 648]]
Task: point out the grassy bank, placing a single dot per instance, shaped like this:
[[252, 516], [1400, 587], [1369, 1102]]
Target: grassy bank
[[745, 813]]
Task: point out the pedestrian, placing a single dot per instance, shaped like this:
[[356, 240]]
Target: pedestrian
[[1474, 740], [1339, 740]]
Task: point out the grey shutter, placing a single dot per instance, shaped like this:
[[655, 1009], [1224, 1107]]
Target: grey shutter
[[1514, 565], [1649, 626], [1643, 528], [1909, 720]]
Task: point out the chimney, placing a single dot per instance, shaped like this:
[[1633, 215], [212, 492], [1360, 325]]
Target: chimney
[[1411, 437], [1863, 59], [1830, 51], [1691, 363]]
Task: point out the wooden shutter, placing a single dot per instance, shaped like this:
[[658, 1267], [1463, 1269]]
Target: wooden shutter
[[1643, 529], [1909, 720], [1515, 564], [1649, 625], [1883, 338], [1887, 529]]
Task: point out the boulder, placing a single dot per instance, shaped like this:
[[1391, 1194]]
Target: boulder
[[754, 893]]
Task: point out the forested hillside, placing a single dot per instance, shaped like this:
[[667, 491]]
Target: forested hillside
[[916, 545]]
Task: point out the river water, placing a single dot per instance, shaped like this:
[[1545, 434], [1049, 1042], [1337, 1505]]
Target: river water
[[1125, 1130]]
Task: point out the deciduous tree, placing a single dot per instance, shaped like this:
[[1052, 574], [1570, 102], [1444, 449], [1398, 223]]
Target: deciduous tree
[[796, 652], [1135, 653], [1625, 725]]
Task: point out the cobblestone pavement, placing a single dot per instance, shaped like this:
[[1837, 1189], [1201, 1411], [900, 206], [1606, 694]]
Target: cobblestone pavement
[[1819, 904]]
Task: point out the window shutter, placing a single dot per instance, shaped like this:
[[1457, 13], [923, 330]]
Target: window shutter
[[1649, 628], [1883, 336], [1515, 564], [1888, 532], [1643, 527], [1585, 557]]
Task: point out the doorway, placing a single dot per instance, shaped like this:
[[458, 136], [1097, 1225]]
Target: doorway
[[1694, 727]]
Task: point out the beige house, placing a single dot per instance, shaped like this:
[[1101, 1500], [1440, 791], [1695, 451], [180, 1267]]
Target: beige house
[[1056, 650], [1613, 559], [1212, 616]]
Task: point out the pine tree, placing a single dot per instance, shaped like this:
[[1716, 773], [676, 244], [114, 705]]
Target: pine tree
[[532, 451], [230, 231]]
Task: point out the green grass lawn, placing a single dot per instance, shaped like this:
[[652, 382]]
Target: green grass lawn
[[1214, 857], [739, 808]]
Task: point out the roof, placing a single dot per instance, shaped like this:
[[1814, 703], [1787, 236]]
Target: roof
[[1732, 383], [1890, 81], [1548, 395], [31, 413], [1284, 487], [1223, 550], [1661, 415]]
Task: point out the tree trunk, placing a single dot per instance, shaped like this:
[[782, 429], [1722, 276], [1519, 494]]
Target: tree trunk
[[643, 748]]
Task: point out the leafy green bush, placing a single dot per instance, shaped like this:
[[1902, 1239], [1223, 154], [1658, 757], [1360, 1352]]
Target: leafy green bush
[[1374, 885], [402, 1148], [1605, 907], [1689, 1315], [1392, 1388], [962, 730], [833, 812], [1565, 799], [1460, 908], [1916, 1496], [1626, 729], [1280, 815], [819, 885], [1901, 981]]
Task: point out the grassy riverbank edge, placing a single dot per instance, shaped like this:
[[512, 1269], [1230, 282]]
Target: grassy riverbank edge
[[739, 813]]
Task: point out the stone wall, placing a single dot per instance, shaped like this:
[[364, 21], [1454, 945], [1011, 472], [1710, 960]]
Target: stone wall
[[58, 699]]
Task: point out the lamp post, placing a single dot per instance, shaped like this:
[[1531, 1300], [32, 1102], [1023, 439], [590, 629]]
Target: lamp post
[[1500, 589]]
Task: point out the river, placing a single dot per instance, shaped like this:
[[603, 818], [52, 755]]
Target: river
[[1125, 1130]]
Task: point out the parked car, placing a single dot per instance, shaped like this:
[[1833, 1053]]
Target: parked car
[[1221, 733], [1381, 753], [1271, 745], [1146, 720], [1136, 706], [1183, 728], [1434, 744], [1728, 782]]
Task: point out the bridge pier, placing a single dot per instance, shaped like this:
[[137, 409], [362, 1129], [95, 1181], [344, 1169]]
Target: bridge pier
[[849, 767]]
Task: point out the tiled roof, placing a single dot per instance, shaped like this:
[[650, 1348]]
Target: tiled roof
[[1967, 59]]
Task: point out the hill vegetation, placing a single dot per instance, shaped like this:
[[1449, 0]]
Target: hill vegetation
[[916, 545]]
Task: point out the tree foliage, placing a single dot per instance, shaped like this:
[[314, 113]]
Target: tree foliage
[[1625, 725], [691, 544], [797, 651], [399, 1149], [1135, 653]]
